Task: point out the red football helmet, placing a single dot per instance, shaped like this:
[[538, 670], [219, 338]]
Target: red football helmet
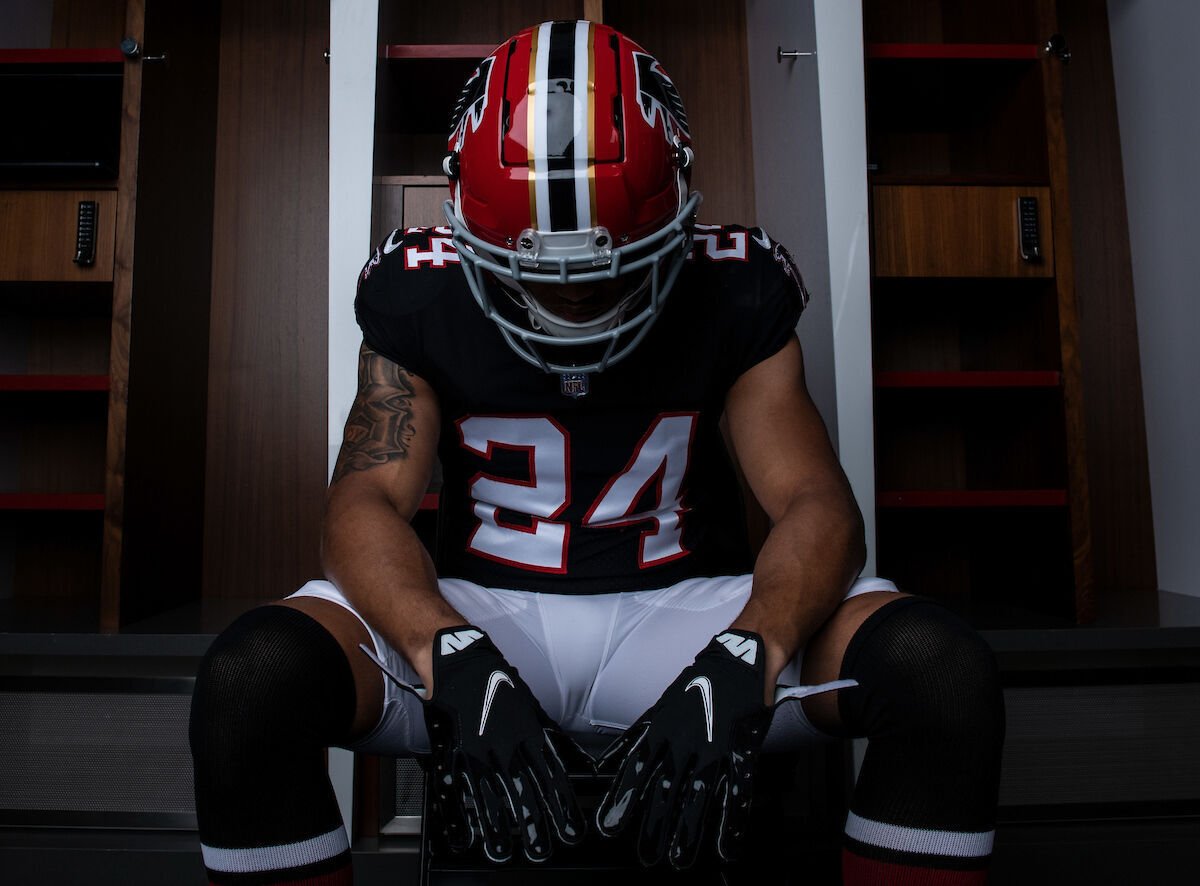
[[569, 163]]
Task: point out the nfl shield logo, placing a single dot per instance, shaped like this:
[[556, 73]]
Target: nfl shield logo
[[574, 384]]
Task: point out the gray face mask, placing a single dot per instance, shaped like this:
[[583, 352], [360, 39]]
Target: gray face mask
[[564, 257], [543, 319]]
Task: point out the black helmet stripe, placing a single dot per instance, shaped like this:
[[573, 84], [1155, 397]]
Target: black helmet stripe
[[560, 161], [561, 130]]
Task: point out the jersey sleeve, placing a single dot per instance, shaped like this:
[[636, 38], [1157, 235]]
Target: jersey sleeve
[[767, 304], [386, 306]]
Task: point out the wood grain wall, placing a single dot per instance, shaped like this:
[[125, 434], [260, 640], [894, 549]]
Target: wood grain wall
[[87, 24], [467, 21], [267, 375], [1118, 473], [702, 45], [161, 316]]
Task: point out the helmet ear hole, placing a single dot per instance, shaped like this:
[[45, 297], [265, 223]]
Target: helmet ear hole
[[450, 165]]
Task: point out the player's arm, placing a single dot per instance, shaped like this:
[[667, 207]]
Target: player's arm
[[816, 546], [672, 765], [511, 774], [369, 549]]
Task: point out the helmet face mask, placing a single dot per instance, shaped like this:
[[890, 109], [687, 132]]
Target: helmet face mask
[[653, 273], [556, 186], [573, 310]]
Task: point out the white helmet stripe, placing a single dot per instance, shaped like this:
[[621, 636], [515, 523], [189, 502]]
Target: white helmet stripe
[[538, 130], [584, 130], [560, 137]]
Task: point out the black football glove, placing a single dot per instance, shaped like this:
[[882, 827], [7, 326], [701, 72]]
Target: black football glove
[[691, 756], [498, 762]]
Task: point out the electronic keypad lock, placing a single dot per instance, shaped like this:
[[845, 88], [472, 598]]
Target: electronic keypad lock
[[1028, 231], [85, 234]]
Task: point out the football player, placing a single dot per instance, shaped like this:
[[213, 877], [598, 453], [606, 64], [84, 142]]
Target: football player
[[566, 345]]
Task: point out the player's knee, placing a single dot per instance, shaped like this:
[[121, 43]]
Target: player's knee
[[925, 674], [274, 677]]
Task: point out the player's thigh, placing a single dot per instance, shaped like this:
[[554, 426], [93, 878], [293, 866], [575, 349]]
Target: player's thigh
[[349, 631], [658, 633], [390, 720], [822, 658], [520, 626]]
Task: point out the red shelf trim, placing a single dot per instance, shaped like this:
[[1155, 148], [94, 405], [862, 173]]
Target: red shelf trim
[[436, 50], [1021, 51], [58, 56], [968, 498], [1001, 379], [50, 501], [53, 382]]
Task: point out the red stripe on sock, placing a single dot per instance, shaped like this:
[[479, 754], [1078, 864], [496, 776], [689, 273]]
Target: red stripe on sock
[[859, 871]]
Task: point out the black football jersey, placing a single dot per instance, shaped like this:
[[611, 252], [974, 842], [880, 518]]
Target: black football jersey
[[627, 487]]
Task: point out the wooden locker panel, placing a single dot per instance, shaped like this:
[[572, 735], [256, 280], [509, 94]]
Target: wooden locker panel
[[387, 210], [37, 235], [406, 201], [702, 46], [423, 205], [267, 374], [469, 21], [956, 231]]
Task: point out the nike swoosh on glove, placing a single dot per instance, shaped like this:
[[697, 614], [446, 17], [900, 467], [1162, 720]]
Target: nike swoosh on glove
[[690, 758], [499, 763]]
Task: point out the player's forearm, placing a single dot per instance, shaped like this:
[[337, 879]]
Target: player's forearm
[[808, 561], [373, 555]]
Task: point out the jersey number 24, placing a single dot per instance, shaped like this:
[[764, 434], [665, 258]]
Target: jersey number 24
[[659, 464]]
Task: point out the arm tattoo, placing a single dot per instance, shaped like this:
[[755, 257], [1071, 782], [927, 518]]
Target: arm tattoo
[[380, 427]]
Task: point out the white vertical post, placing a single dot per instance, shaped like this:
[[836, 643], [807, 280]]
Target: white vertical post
[[353, 51], [844, 146], [1156, 70], [352, 59]]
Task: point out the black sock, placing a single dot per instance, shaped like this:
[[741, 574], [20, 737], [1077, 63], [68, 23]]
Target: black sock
[[273, 692], [930, 703]]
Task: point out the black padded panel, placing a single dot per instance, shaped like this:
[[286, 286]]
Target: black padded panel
[[109, 759], [1102, 744]]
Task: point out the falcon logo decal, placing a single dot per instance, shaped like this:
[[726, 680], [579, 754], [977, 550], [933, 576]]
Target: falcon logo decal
[[371, 265], [785, 261], [472, 101], [657, 94]]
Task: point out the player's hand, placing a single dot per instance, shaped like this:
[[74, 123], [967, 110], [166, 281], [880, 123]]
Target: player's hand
[[687, 764], [694, 749], [498, 762]]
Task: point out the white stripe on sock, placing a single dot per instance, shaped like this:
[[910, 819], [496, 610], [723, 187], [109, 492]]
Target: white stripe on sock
[[963, 844], [274, 858]]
